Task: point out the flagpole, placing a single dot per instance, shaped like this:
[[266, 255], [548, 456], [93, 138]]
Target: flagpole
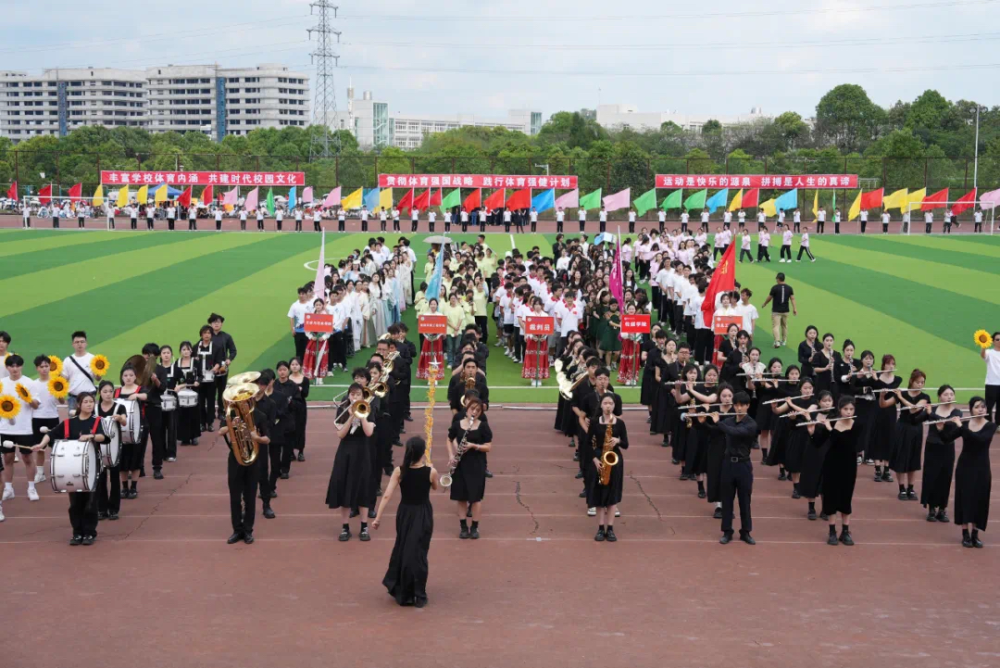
[[975, 168]]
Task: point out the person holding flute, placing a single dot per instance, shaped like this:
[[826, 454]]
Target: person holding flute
[[939, 455], [905, 460]]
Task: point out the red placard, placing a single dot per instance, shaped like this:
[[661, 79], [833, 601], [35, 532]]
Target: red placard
[[216, 178], [721, 323], [318, 323], [777, 181], [474, 181], [540, 325], [432, 324], [635, 324]]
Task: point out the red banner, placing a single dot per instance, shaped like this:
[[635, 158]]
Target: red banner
[[721, 323], [474, 181], [540, 325], [635, 324], [318, 323], [432, 324], [814, 181], [221, 178]]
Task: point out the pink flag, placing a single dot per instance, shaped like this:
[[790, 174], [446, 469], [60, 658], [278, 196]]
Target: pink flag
[[250, 204], [319, 287], [307, 195], [620, 200], [570, 200], [230, 198], [990, 200], [332, 199], [615, 278]]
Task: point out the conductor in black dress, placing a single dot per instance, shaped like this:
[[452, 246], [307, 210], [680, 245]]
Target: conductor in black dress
[[737, 471]]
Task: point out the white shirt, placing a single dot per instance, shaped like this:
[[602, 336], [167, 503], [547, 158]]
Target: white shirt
[[745, 243], [764, 239], [382, 215], [804, 241], [761, 217], [885, 217], [699, 317], [534, 216], [431, 216], [978, 216], [560, 215], [992, 367], [507, 308], [506, 216], [685, 217], [929, 217], [704, 216], [781, 216], [317, 216], [20, 425], [786, 238], [836, 216], [742, 216], [727, 217], [243, 216], [864, 216], [279, 215], [78, 380], [631, 216], [192, 212], [26, 211], [298, 215], [661, 215], [583, 215], [464, 216], [364, 214], [821, 216], [604, 216], [796, 217], [48, 406], [218, 215], [414, 214], [298, 311], [569, 318], [171, 212], [750, 315]]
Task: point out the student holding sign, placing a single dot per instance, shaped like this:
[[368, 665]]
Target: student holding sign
[[538, 327]]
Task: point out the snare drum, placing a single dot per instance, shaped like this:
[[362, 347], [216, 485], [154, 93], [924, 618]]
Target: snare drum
[[168, 402], [111, 449], [187, 398], [208, 376], [73, 467], [132, 431]]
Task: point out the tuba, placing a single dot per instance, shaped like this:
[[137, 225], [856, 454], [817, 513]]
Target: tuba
[[239, 403], [142, 370], [609, 458]]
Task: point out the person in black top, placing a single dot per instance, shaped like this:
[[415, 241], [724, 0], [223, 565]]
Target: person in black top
[[406, 349], [351, 473], [228, 348], [299, 406], [973, 477], [86, 426], [737, 471], [783, 296], [908, 439], [468, 465], [269, 417], [188, 417], [243, 479], [283, 436], [458, 385], [397, 381], [109, 489], [163, 423], [939, 456], [606, 498], [807, 351], [210, 359]]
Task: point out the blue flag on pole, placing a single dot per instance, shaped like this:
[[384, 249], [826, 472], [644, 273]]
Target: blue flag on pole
[[788, 202], [717, 200], [371, 199], [544, 200], [434, 284], [291, 198]]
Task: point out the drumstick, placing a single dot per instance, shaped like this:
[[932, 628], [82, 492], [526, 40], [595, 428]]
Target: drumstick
[[43, 430], [10, 444]]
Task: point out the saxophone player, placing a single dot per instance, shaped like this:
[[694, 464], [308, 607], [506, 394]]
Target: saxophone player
[[243, 479], [469, 439], [607, 437]]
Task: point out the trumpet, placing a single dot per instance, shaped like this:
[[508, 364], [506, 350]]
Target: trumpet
[[355, 410]]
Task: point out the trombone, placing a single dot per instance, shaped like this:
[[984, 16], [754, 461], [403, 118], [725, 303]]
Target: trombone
[[354, 410]]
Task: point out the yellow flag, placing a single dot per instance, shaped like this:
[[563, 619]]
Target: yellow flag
[[855, 208], [123, 196], [385, 199], [768, 208], [160, 195], [143, 195], [914, 200], [98, 196], [816, 204], [896, 200], [352, 201], [737, 202]]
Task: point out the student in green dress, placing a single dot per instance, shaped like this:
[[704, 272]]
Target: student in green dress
[[611, 345]]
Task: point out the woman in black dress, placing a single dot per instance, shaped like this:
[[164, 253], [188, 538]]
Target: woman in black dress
[[909, 436], [815, 454], [844, 369], [665, 408], [299, 407], [798, 410], [651, 352], [717, 452], [840, 471], [188, 417], [973, 478], [683, 399], [406, 578], [696, 450], [807, 349], [866, 405], [778, 454], [824, 363], [607, 497], [766, 391], [469, 439], [351, 466], [939, 456], [884, 429]]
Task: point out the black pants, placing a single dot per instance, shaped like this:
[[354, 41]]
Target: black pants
[[111, 223], [109, 492], [381, 224], [928, 227], [281, 461], [484, 324], [242, 490], [55, 222], [27, 223], [192, 224], [804, 249], [716, 252], [338, 350], [559, 226], [413, 225], [744, 251], [430, 226], [992, 402], [149, 223], [79, 222], [947, 228], [301, 341], [763, 253], [341, 225], [977, 227], [786, 253], [583, 224], [836, 228], [364, 225], [220, 387], [218, 226], [158, 426], [395, 225], [269, 455], [678, 320], [684, 227], [316, 226], [704, 338], [797, 227], [506, 226], [631, 227], [170, 223], [602, 226], [737, 480], [885, 228], [820, 224], [134, 223], [206, 403], [83, 513], [864, 226]]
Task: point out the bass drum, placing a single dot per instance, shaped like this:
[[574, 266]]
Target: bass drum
[[111, 449], [73, 467], [132, 431]]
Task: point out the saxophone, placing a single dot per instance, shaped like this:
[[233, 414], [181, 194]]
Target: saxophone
[[463, 445], [609, 458]]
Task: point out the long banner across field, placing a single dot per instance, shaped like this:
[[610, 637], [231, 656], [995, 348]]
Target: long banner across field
[[222, 178]]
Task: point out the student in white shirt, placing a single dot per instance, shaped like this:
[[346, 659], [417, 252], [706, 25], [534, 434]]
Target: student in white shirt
[[741, 218], [727, 219], [47, 413], [631, 221], [763, 245], [560, 219], [836, 221], [904, 226], [18, 429], [506, 220], [317, 219], [463, 217], [218, 220], [583, 218], [431, 218], [192, 217], [747, 310], [395, 219], [704, 219], [928, 221], [567, 314], [992, 358], [364, 219], [298, 219], [804, 246], [745, 246], [885, 222], [534, 220], [796, 221], [341, 220], [786, 246], [171, 216], [76, 369], [279, 216], [414, 219], [603, 219], [685, 217], [864, 220], [781, 218], [761, 220], [978, 221], [150, 215], [820, 220], [382, 218], [258, 214], [26, 215]]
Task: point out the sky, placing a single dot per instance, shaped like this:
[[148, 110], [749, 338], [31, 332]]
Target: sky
[[446, 56]]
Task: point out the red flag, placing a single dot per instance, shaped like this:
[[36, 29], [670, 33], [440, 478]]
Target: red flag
[[435, 197], [206, 195], [520, 199], [406, 203], [75, 192], [965, 202], [495, 201], [872, 200], [935, 201], [422, 200], [751, 198], [12, 192], [723, 280], [185, 198], [45, 195], [473, 201]]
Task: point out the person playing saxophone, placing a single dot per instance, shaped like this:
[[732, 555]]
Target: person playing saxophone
[[608, 437]]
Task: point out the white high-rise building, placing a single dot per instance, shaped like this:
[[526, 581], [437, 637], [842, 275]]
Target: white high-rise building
[[618, 116]]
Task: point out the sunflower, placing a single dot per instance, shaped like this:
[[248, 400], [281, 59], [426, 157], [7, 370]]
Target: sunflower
[[983, 338], [24, 393], [55, 365], [99, 365], [9, 407], [58, 387]]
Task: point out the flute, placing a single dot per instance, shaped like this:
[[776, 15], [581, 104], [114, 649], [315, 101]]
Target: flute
[[806, 424], [778, 401], [691, 416], [757, 375], [818, 410], [961, 419]]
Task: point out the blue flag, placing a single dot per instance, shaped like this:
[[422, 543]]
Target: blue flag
[[789, 201], [434, 284], [544, 200], [717, 200], [371, 199], [291, 198]]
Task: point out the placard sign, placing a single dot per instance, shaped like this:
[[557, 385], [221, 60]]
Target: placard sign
[[318, 323], [432, 323], [635, 324], [721, 323], [540, 325]]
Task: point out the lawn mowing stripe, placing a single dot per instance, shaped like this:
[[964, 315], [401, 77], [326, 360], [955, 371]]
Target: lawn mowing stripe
[[893, 249], [963, 244], [27, 242], [45, 287], [40, 260]]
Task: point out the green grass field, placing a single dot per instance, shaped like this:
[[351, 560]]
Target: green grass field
[[919, 298]]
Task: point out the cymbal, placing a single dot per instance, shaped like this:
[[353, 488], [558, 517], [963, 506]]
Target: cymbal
[[242, 378]]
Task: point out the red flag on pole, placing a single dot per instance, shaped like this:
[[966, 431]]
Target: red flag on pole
[[496, 200], [423, 200], [935, 201], [185, 198], [965, 202], [206, 195], [406, 203], [435, 197], [12, 191], [520, 199], [76, 192], [473, 201], [45, 195], [723, 280], [751, 198], [872, 200]]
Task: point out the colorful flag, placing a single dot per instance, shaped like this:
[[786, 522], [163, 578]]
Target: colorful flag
[[769, 208], [353, 201], [619, 200], [422, 201], [789, 201], [142, 195], [332, 198], [544, 200], [645, 202], [570, 200], [12, 191], [590, 200], [872, 199], [252, 201], [45, 195], [160, 194], [473, 201], [307, 195], [723, 280], [855, 209], [990, 200], [718, 200], [935, 201], [206, 195], [76, 192], [270, 202], [496, 200], [737, 202], [372, 199], [965, 202], [98, 199], [231, 197], [185, 198], [616, 281], [672, 201], [696, 201], [385, 199], [816, 204], [433, 290], [436, 196], [519, 199], [123, 197], [750, 198], [914, 200], [896, 200], [833, 201], [319, 283], [451, 200], [406, 203], [292, 201]]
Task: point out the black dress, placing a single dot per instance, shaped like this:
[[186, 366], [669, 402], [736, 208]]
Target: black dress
[[939, 460], [798, 437], [806, 353], [189, 417], [840, 472], [605, 496], [469, 480], [780, 432], [825, 380], [884, 430], [351, 475], [813, 461], [406, 577], [665, 406], [696, 448], [647, 394], [301, 414], [765, 417], [973, 477], [865, 410], [909, 438]]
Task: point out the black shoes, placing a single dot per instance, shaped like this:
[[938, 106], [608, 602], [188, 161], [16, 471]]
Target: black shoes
[[364, 535], [726, 538], [942, 516], [101, 516], [474, 533], [583, 494], [811, 515], [489, 474], [675, 462], [345, 535], [284, 475], [609, 534], [579, 474], [795, 493], [408, 418], [845, 538], [748, 539], [77, 540], [463, 534], [194, 441], [371, 513], [112, 516], [887, 477], [235, 538], [832, 539], [931, 517], [902, 495], [717, 515], [702, 494], [87, 540], [248, 538], [157, 474], [911, 495], [301, 457], [268, 513], [576, 456], [599, 536]]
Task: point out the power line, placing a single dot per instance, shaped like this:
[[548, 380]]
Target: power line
[[326, 94]]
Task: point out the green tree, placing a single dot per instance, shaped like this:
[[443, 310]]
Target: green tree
[[847, 117]]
